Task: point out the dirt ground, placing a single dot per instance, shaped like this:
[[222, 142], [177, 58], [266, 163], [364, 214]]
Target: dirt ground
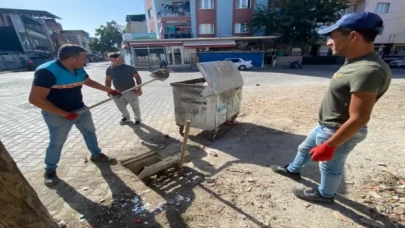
[[228, 182]]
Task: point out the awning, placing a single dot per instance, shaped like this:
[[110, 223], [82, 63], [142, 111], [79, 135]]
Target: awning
[[213, 43], [154, 44]]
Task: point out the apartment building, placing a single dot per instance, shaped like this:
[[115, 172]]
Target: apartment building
[[137, 23], [171, 19], [392, 39], [25, 31], [78, 37], [55, 29]]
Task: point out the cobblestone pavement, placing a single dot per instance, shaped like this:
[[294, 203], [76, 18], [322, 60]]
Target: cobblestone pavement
[[24, 133]]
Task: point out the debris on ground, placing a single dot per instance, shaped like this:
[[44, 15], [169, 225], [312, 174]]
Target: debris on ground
[[179, 198], [209, 180], [212, 153], [386, 194], [340, 217], [62, 224]]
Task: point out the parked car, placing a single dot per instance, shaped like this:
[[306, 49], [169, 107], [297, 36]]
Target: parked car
[[240, 63], [397, 63]]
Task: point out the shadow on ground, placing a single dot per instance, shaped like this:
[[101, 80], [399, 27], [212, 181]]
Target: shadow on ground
[[249, 143], [173, 185], [116, 214]]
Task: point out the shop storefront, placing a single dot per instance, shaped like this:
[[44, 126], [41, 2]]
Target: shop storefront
[[146, 51]]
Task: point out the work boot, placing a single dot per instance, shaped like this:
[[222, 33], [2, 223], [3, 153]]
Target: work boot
[[50, 178], [102, 158], [124, 120], [312, 195], [284, 171]]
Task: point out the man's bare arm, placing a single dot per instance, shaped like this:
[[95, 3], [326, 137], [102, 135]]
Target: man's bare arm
[[361, 106], [108, 81], [96, 85], [38, 97], [137, 78]]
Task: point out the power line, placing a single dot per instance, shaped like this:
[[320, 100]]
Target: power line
[[11, 4], [396, 11], [394, 18], [6, 4]]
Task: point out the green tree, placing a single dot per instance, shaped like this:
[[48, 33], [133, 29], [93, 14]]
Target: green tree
[[108, 38], [296, 21]]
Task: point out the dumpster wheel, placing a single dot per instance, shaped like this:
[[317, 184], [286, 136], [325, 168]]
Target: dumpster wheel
[[214, 134]]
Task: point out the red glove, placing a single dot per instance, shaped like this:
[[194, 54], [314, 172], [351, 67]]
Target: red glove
[[114, 93], [71, 116], [323, 152]]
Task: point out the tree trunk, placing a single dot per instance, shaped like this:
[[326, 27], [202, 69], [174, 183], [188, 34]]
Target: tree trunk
[[19, 203]]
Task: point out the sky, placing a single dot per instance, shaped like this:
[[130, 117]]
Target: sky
[[84, 15]]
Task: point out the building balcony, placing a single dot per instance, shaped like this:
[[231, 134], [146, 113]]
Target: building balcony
[[36, 34], [174, 11], [173, 16], [174, 30], [177, 36]]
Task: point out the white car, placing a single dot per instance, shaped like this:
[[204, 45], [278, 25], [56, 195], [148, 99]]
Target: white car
[[397, 63], [240, 63]]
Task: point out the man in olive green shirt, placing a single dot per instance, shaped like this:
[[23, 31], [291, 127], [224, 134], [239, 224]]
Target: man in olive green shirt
[[346, 107]]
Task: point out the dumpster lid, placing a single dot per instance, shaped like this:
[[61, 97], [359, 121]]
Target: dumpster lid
[[220, 76]]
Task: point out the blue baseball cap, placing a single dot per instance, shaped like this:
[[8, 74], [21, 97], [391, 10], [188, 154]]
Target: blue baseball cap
[[357, 20]]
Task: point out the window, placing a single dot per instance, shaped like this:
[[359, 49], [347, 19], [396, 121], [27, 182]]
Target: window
[[206, 4], [150, 13], [382, 8], [242, 4], [206, 29], [241, 28], [351, 9]]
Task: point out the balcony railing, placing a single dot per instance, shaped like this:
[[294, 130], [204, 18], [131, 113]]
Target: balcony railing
[[177, 36], [173, 15], [176, 9]]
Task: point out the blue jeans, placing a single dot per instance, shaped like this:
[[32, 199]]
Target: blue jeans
[[331, 171], [59, 129]]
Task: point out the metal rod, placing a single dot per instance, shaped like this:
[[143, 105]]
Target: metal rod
[[106, 100], [184, 146]]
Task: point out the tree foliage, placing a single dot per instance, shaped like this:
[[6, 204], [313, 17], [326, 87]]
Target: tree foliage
[[296, 21], [108, 38]]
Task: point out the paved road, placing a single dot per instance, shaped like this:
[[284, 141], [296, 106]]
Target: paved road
[[25, 135]]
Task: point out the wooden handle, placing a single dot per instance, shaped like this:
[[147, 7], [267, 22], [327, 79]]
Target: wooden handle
[[184, 146], [109, 99]]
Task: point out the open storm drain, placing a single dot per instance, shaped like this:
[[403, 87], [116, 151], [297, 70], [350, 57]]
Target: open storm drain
[[150, 163]]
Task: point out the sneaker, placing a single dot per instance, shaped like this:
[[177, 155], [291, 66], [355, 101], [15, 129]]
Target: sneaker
[[284, 171], [50, 178], [101, 158], [312, 195], [137, 122], [124, 120]]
